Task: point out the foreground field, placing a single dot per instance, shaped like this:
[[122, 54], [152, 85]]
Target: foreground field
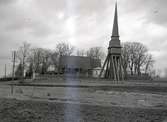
[[78, 100], [32, 111], [91, 96]]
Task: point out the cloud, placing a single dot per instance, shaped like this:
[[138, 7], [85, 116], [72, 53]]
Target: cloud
[[152, 11]]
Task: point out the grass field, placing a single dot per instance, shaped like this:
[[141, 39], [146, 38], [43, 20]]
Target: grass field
[[69, 100], [33, 111]]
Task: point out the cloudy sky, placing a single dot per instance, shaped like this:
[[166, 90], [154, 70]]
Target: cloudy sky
[[84, 23]]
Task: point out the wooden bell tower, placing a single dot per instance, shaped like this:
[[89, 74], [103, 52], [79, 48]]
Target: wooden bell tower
[[112, 67]]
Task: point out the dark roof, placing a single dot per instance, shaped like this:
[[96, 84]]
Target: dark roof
[[79, 62]]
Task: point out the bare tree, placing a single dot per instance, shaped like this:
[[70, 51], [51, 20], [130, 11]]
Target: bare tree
[[36, 58], [39, 60], [165, 70], [96, 53], [46, 60], [125, 57], [81, 52], [140, 56], [149, 63], [22, 55], [135, 56], [132, 56], [64, 49], [55, 59]]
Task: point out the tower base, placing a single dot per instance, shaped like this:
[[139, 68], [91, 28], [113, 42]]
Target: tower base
[[112, 68]]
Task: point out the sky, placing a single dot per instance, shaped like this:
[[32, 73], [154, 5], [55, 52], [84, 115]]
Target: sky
[[83, 23]]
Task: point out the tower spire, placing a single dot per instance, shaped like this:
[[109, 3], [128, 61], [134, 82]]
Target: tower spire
[[115, 31]]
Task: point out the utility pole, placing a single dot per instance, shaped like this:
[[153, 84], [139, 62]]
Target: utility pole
[[5, 71], [13, 70], [14, 61]]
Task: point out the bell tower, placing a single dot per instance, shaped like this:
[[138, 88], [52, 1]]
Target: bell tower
[[112, 67]]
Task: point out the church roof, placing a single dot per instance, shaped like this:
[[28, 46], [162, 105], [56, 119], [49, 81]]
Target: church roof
[[79, 62]]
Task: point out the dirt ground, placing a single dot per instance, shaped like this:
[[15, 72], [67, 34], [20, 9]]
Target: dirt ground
[[32, 111]]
